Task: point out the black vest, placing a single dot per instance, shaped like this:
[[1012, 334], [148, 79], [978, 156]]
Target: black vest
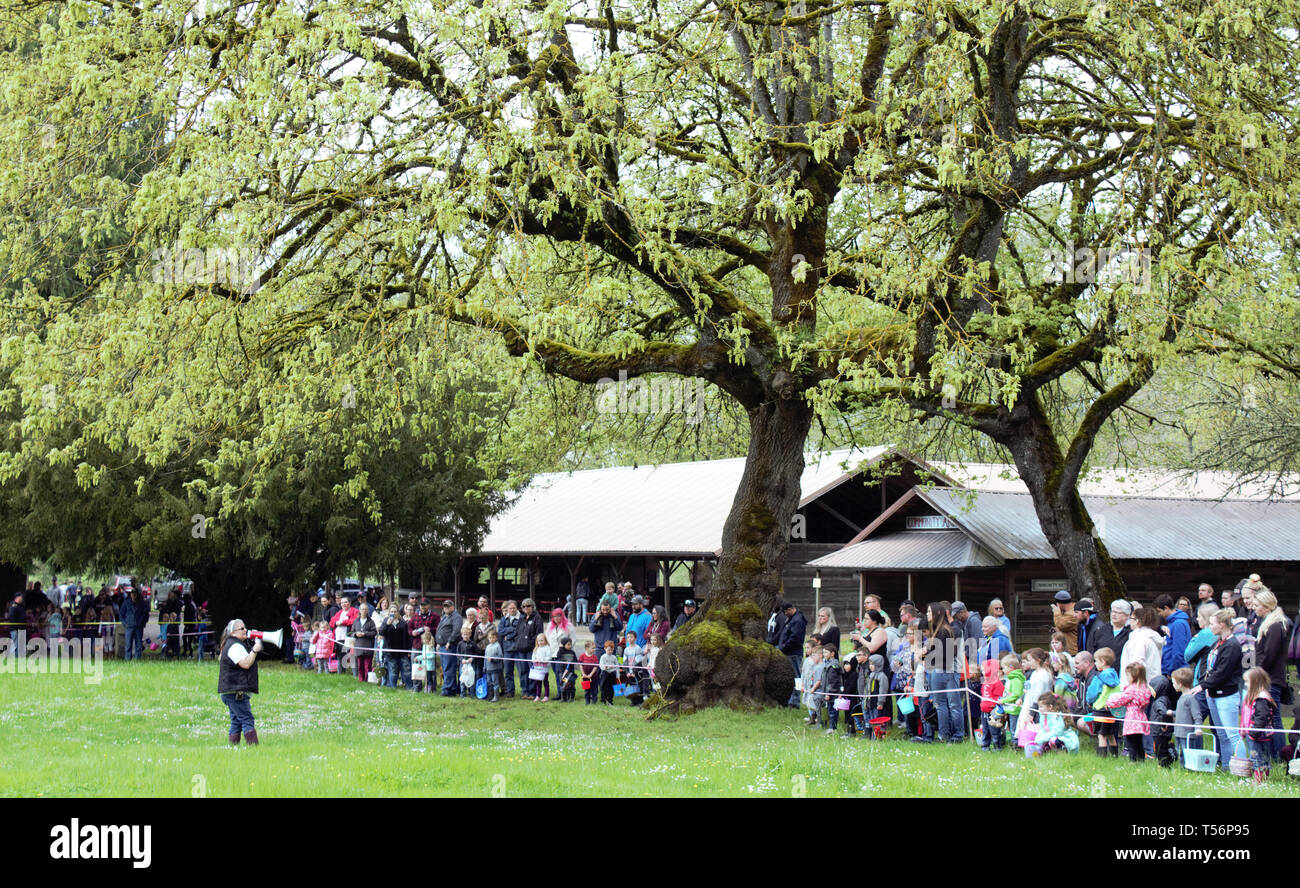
[[230, 677]]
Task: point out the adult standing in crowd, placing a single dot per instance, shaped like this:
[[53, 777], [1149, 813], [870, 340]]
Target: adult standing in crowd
[[639, 620], [659, 624], [397, 649], [827, 628], [1066, 621], [1204, 594], [1249, 587], [484, 612], [530, 626], [605, 626], [940, 661], [1271, 636], [1178, 632], [1088, 623], [446, 638], [1197, 652], [132, 614], [776, 623], [688, 611], [791, 643], [1114, 634], [507, 631], [1222, 683], [582, 595], [999, 610], [363, 637], [237, 678], [16, 616], [995, 643]]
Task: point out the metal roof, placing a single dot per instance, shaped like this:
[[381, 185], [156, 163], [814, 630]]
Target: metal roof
[[1134, 527], [912, 550], [1005, 478], [674, 510]]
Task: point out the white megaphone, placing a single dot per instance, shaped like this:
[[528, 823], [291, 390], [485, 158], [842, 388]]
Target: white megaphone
[[276, 638]]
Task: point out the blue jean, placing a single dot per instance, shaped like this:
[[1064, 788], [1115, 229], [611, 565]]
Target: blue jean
[[796, 660], [582, 610], [398, 664], [947, 706], [494, 683], [134, 644], [450, 685], [508, 673], [241, 712], [1228, 710]]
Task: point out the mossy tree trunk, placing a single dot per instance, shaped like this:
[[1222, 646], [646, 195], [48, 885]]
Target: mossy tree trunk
[[721, 656]]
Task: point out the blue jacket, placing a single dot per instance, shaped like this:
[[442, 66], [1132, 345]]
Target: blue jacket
[[128, 614], [1197, 652], [791, 641], [1085, 630], [994, 647], [605, 629], [1172, 655], [638, 623]]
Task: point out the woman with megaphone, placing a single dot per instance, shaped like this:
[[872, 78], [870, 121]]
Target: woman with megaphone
[[237, 678]]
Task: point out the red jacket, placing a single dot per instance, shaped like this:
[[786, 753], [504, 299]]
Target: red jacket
[[589, 664], [344, 618], [990, 693], [324, 642]]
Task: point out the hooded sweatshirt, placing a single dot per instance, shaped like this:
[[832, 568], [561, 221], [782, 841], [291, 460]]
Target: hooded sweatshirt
[[992, 688], [1013, 693], [1173, 655]]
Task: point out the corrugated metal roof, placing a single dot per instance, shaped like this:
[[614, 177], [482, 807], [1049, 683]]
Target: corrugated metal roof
[[912, 550], [676, 509], [1134, 527], [1133, 482]]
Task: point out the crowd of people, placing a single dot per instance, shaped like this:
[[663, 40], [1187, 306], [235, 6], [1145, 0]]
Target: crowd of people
[[1153, 680], [110, 619], [483, 654]]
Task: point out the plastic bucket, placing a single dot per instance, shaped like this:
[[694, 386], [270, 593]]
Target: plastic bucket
[[1203, 760]]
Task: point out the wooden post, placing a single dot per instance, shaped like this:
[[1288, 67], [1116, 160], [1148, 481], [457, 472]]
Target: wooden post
[[862, 593]]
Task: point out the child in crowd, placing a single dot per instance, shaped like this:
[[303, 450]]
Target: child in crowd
[[1257, 711], [1056, 647], [991, 723], [812, 675], [468, 655], [1055, 732], [301, 641], [634, 660], [428, 657], [589, 665], [568, 662], [1163, 703], [1013, 693], [1136, 697], [806, 679], [1039, 682], [832, 686], [324, 642], [1105, 685], [203, 639], [1186, 712], [1065, 686], [542, 666], [656, 642], [608, 673], [493, 664], [875, 692]]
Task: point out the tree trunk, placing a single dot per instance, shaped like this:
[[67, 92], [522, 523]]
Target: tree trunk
[[721, 656], [1061, 513]]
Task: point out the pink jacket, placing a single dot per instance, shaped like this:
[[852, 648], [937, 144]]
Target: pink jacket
[[1135, 697], [324, 642]]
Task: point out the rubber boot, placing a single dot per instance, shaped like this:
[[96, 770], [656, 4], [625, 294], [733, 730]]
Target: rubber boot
[[250, 737], [234, 738]]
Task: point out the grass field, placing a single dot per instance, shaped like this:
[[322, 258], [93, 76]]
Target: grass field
[[158, 729]]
